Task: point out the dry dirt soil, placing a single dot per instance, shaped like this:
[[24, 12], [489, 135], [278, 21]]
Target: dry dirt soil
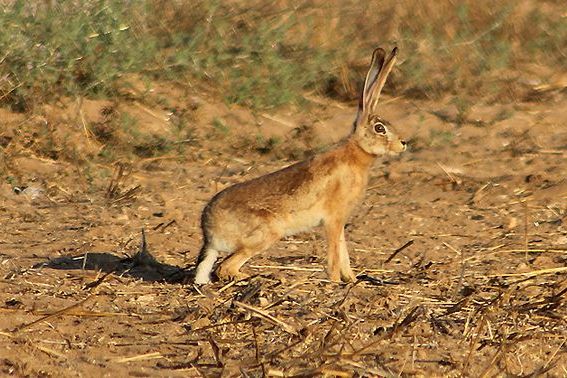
[[479, 202]]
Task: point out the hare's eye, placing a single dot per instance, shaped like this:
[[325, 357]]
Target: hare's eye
[[379, 128]]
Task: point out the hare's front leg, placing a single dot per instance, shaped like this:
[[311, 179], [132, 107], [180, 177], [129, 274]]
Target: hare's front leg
[[338, 259], [347, 275]]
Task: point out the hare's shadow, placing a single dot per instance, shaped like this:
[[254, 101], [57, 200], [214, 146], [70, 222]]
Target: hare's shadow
[[143, 265]]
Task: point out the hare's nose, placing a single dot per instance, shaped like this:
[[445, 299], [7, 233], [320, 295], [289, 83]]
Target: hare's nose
[[404, 143]]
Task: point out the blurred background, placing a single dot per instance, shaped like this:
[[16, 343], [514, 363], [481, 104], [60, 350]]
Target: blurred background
[[264, 54]]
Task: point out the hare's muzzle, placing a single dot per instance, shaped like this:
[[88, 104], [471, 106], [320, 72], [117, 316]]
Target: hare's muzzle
[[397, 146]]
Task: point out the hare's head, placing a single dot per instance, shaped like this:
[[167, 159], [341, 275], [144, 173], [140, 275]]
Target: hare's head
[[373, 134]]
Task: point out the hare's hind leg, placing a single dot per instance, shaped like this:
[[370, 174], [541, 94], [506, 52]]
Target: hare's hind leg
[[258, 241], [230, 268], [207, 259], [338, 262]]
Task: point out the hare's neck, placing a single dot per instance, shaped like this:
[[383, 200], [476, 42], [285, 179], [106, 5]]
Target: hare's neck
[[358, 155]]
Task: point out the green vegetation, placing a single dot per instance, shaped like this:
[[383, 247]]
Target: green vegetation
[[67, 48], [268, 145], [439, 138], [220, 127], [265, 54], [71, 48]]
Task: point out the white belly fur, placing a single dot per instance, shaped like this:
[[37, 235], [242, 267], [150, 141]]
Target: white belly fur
[[302, 221]]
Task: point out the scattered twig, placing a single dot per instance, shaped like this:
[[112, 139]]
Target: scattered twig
[[140, 357], [408, 319], [451, 177], [287, 267], [163, 225], [94, 284], [217, 352], [87, 314], [53, 315], [114, 192], [532, 273], [473, 342], [264, 315], [49, 351], [526, 241], [408, 243], [220, 325]]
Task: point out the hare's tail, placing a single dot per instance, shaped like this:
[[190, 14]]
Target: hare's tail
[[205, 263], [207, 256]]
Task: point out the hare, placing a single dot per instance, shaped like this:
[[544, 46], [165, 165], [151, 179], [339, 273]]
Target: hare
[[247, 218]]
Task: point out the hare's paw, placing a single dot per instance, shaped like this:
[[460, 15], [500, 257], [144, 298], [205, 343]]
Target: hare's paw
[[348, 275], [229, 273], [334, 275], [342, 275]]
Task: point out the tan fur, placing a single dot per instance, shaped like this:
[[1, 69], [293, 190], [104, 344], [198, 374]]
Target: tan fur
[[247, 218]]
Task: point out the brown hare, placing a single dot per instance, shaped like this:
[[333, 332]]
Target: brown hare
[[247, 218]]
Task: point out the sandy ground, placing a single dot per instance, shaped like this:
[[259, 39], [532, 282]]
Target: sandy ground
[[480, 291]]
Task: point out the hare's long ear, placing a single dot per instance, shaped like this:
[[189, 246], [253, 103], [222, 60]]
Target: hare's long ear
[[371, 99], [375, 65]]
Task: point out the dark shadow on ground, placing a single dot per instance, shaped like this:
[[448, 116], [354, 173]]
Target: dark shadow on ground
[[140, 266]]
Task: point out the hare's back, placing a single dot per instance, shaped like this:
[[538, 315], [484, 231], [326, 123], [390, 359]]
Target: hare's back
[[270, 192]]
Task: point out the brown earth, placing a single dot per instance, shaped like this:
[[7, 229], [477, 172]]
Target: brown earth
[[480, 292]]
